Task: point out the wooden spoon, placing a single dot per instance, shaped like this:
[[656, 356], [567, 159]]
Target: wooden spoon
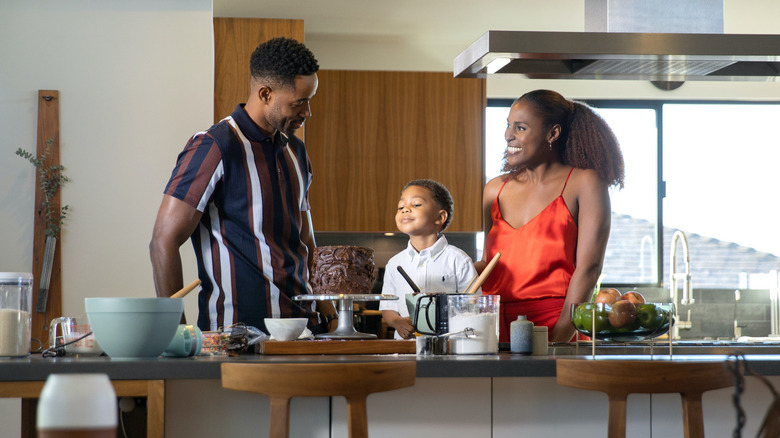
[[186, 289], [472, 282], [483, 276]]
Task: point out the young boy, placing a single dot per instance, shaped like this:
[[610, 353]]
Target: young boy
[[424, 211]]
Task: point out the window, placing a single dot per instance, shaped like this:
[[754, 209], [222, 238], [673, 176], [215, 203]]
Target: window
[[718, 170], [630, 256], [720, 162]]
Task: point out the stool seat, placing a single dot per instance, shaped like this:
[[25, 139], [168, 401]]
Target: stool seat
[[618, 378], [282, 381]]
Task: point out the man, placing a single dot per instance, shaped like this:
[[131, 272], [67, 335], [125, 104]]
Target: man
[[239, 191]]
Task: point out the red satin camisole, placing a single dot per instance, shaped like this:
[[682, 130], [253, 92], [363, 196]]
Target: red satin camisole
[[537, 261]]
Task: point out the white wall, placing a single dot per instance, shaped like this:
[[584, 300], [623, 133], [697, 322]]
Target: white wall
[[135, 80]]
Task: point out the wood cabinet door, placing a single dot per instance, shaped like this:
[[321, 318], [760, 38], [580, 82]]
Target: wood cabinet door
[[234, 41], [372, 131]]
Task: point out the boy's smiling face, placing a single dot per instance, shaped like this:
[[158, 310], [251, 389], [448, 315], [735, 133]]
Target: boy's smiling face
[[418, 214]]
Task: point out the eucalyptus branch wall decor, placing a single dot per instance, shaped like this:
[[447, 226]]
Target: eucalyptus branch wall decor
[[51, 180]]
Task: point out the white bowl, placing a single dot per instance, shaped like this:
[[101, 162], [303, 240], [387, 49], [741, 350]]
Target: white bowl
[[134, 327], [285, 329]]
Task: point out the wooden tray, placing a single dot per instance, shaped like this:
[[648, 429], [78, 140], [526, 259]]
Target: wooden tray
[[337, 346]]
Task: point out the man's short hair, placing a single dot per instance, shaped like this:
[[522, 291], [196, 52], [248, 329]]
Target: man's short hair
[[279, 60]]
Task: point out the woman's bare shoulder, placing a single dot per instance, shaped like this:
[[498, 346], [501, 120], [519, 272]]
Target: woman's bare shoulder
[[494, 185], [587, 179], [497, 181]]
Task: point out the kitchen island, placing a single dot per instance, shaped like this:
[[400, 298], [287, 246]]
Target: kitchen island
[[471, 396]]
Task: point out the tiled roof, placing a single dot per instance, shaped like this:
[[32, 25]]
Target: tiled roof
[[714, 263]]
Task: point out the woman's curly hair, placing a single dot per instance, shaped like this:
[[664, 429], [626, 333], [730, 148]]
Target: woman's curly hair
[[280, 60], [586, 140]]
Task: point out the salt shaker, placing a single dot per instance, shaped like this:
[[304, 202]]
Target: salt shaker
[[521, 335]]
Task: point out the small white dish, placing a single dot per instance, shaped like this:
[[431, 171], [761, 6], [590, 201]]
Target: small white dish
[[285, 329]]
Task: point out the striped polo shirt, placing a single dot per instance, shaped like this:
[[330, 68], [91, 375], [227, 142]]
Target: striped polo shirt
[[251, 189]]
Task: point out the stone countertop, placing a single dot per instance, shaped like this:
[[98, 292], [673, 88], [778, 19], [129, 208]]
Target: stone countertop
[[36, 368]]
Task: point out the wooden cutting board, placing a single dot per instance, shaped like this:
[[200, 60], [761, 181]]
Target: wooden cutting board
[[338, 346]]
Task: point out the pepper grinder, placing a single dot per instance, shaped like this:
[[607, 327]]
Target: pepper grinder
[[521, 335]]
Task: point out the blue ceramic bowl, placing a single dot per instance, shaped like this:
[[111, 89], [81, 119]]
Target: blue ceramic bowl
[[128, 328]]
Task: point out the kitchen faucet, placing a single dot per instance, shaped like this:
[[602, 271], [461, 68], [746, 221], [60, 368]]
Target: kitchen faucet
[[774, 303], [646, 240], [737, 325], [674, 276]]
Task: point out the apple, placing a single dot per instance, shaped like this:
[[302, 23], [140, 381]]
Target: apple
[[665, 317], [648, 316], [623, 314], [634, 297], [607, 296], [583, 317]]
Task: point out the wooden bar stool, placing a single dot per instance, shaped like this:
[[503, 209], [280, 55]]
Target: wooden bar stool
[[282, 381], [618, 378]]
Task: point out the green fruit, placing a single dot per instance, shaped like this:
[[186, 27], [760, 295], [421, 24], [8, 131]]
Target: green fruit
[[583, 317], [649, 317], [664, 316], [576, 317]]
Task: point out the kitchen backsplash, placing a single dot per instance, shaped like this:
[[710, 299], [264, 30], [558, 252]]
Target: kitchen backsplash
[[714, 310]]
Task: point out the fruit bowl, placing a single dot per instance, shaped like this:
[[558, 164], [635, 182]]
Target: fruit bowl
[[622, 321]]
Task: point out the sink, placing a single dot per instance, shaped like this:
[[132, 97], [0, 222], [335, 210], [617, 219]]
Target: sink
[[682, 347]]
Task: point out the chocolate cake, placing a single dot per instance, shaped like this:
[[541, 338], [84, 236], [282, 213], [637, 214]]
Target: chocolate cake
[[342, 270]]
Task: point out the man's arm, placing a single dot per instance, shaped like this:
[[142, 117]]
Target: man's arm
[[307, 235], [325, 308], [176, 221]]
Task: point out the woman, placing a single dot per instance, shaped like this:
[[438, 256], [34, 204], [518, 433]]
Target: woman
[[548, 214]]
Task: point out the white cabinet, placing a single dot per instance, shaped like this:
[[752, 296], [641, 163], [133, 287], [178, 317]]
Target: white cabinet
[[538, 406], [435, 407]]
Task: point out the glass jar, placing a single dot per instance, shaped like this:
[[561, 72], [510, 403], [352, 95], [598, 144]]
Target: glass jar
[[15, 314]]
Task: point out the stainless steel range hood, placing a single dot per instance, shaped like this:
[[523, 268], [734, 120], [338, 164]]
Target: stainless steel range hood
[[613, 55]]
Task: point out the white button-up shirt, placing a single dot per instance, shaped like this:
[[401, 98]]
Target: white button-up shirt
[[439, 268]]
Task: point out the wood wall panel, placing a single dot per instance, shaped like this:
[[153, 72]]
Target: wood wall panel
[[234, 41], [48, 129], [371, 132]]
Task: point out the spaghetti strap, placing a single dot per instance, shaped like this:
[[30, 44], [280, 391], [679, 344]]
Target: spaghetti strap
[[502, 187], [564, 183]]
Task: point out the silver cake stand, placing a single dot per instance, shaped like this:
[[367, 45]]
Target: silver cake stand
[[346, 328]]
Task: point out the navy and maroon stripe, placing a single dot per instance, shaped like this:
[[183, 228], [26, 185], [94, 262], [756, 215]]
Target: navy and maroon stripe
[[215, 173]]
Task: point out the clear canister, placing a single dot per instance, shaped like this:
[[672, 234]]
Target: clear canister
[[477, 312], [15, 314]]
